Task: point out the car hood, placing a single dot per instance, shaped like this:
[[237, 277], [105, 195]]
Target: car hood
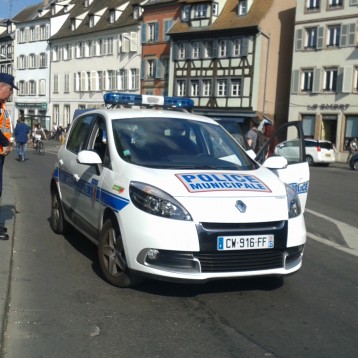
[[223, 196]]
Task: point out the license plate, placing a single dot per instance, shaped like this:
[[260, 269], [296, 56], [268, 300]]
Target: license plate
[[251, 242], [328, 155]]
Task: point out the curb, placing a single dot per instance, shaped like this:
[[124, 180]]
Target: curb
[[7, 218]]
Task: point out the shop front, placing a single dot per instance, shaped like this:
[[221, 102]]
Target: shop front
[[34, 113], [333, 122]]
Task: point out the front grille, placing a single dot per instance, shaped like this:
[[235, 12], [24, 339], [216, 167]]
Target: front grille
[[271, 225], [248, 260]]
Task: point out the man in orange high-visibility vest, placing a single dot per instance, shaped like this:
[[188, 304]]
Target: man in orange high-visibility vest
[[6, 87]]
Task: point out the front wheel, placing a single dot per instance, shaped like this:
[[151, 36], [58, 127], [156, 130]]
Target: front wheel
[[41, 148], [112, 258]]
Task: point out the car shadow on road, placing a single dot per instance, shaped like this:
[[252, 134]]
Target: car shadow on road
[[163, 288]]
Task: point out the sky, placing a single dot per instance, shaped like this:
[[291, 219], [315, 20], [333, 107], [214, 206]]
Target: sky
[[10, 8]]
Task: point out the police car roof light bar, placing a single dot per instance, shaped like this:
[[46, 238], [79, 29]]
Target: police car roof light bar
[[128, 99]]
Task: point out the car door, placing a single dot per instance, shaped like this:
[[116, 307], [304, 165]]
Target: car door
[[297, 173], [90, 178], [77, 140]]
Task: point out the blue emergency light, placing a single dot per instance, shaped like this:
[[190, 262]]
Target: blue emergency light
[[114, 98], [129, 99]]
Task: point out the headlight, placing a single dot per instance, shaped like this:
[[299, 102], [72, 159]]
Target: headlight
[[293, 202], [156, 202]]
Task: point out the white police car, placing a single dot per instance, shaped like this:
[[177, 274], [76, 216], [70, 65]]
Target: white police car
[[169, 194]]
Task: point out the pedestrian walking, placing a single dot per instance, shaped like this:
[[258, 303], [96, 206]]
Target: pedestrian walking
[[255, 138], [6, 88], [22, 136], [352, 148]]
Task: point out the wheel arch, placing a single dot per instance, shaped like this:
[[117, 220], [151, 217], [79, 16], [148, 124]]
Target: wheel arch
[[110, 214]]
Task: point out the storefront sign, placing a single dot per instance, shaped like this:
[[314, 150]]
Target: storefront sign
[[40, 105], [328, 107]]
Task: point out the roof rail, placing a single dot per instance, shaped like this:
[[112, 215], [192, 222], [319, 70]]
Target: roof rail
[[118, 99]]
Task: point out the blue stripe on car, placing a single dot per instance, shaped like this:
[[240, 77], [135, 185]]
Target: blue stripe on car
[[104, 197]]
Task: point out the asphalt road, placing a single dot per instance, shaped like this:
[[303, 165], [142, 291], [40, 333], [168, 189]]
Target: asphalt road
[[60, 306]]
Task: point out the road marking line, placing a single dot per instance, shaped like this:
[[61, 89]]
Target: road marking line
[[349, 233]]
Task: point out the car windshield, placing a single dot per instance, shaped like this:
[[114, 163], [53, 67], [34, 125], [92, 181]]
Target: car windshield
[[177, 143]]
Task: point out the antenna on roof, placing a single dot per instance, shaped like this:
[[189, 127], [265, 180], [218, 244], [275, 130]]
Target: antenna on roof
[[10, 9]]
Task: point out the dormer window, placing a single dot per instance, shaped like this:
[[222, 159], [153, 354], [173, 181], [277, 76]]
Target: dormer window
[[242, 8], [185, 14], [87, 3], [201, 11], [215, 9], [112, 16], [73, 24], [91, 21], [136, 13]]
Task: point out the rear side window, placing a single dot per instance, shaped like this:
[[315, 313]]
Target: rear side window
[[326, 145], [311, 144]]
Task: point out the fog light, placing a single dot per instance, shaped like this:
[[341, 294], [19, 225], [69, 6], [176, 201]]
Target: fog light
[[152, 254]]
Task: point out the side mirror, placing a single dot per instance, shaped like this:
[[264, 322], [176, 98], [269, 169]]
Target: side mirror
[[88, 157], [275, 162]]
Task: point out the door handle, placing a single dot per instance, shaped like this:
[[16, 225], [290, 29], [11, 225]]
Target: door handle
[[76, 177]]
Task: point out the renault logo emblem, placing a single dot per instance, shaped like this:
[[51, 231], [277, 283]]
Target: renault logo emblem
[[241, 206]]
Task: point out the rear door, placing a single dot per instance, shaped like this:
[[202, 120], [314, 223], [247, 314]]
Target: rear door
[[296, 174]]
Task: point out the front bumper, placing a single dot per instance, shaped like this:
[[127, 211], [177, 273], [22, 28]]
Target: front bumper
[[209, 263]]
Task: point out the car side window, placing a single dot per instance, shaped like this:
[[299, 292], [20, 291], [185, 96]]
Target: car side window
[[80, 133]]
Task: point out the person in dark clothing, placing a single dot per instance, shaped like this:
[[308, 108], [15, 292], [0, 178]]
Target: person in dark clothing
[[6, 88], [21, 133]]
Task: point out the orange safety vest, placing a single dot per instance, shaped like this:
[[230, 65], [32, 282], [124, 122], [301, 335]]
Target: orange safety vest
[[5, 124]]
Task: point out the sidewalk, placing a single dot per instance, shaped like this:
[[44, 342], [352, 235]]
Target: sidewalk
[[7, 218]]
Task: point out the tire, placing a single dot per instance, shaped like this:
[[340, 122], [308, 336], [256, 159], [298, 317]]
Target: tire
[[355, 165], [309, 160], [58, 223], [41, 148], [112, 258]]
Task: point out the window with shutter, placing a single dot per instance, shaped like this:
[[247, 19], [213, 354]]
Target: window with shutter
[[316, 80], [299, 40], [348, 74], [352, 34], [319, 43], [294, 81], [167, 26]]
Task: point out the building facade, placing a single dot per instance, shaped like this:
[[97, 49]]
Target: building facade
[[324, 83], [95, 51], [157, 19], [225, 57]]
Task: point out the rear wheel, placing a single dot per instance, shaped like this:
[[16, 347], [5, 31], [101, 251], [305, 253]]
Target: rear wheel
[[58, 223], [112, 258], [309, 160]]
